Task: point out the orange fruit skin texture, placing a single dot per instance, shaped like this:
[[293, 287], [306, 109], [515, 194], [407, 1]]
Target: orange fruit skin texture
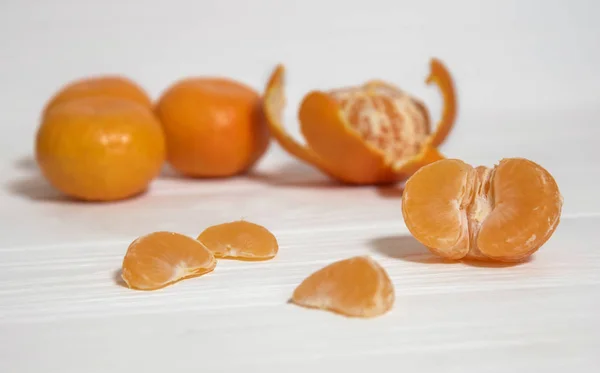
[[107, 85], [214, 127], [374, 133], [100, 148], [354, 287], [504, 213], [240, 240], [159, 259]]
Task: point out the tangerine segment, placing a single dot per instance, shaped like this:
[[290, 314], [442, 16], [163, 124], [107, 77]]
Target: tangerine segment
[[527, 210], [240, 240], [214, 127], [163, 258], [504, 213], [105, 85], [433, 205], [355, 287]]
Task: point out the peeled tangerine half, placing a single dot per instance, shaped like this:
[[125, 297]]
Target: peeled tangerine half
[[369, 134], [504, 213], [159, 259], [355, 287], [240, 240]]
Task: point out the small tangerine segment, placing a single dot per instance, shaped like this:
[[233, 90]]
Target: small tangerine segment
[[106, 85], [163, 258], [241, 240], [432, 201], [214, 127], [354, 287], [100, 148], [504, 213], [527, 207]]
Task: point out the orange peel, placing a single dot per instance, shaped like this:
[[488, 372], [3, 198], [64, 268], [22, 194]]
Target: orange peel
[[371, 134]]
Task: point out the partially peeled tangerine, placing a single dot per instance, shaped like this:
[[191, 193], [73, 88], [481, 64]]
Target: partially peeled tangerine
[[370, 134]]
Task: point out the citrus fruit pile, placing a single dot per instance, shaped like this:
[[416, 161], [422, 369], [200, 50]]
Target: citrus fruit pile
[[103, 139]]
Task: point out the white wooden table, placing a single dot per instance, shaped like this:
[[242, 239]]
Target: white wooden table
[[61, 309]]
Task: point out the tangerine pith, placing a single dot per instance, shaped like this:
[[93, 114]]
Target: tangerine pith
[[504, 213]]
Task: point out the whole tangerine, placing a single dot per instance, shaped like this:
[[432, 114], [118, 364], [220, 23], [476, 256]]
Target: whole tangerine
[[214, 127], [100, 85], [100, 148]]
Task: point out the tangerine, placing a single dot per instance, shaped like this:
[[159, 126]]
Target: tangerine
[[355, 287], [100, 148], [214, 127], [163, 258], [103, 85], [240, 240], [370, 134], [504, 213]]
